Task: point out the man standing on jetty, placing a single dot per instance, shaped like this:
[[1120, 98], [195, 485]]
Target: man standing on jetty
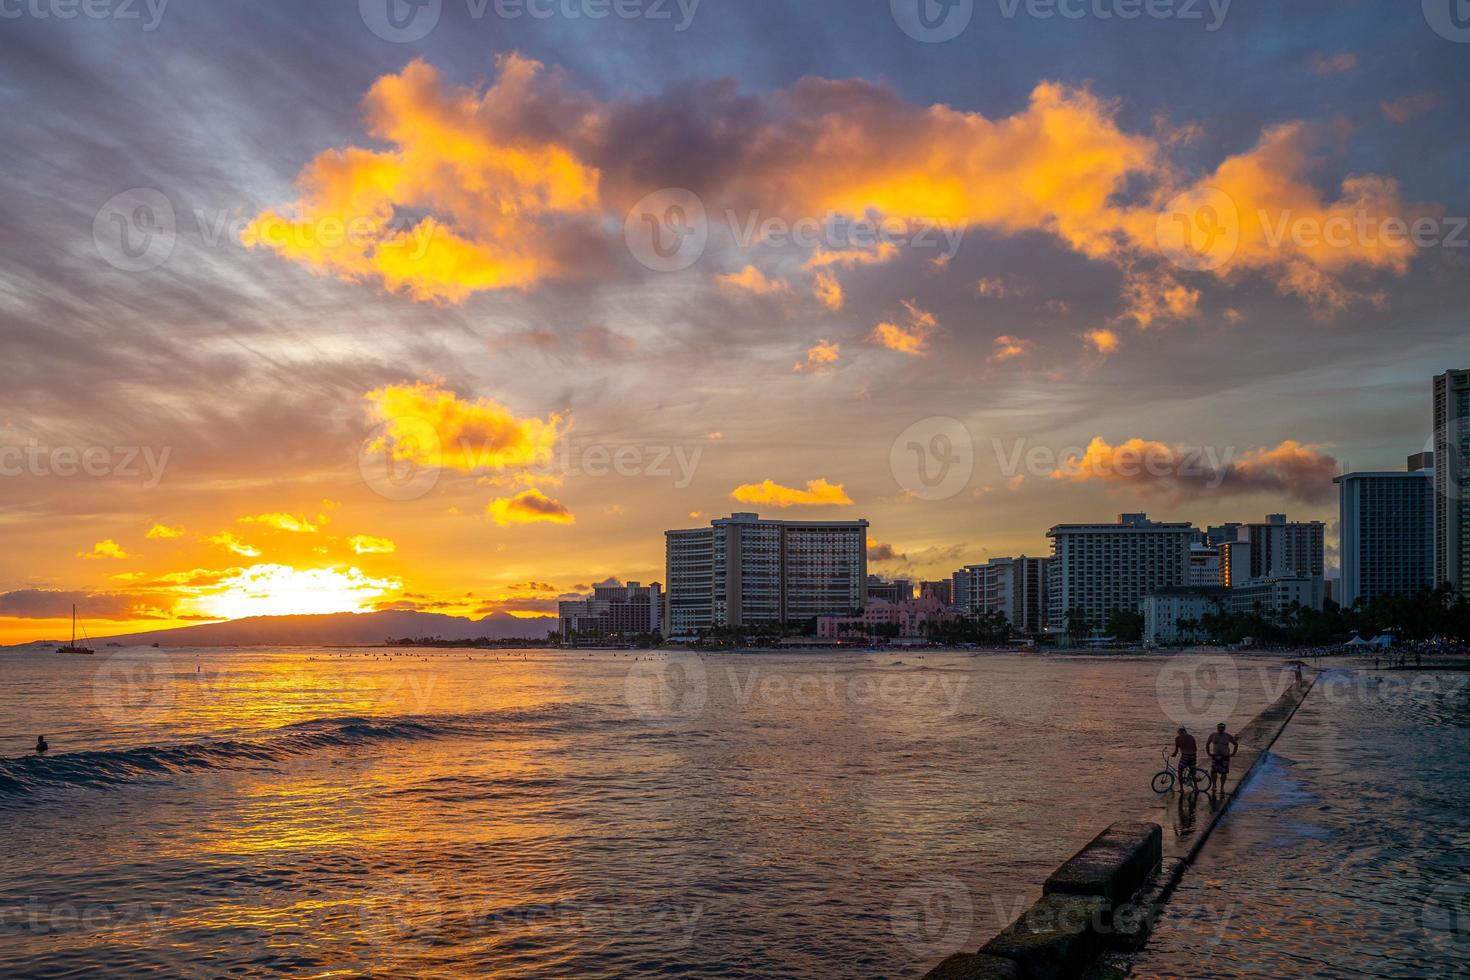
[[1221, 746]]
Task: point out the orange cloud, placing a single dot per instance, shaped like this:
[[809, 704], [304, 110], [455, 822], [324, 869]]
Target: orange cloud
[[1409, 107], [487, 189], [818, 493], [230, 543], [912, 339], [366, 544], [819, 358], [1277, 222], [1152, 297], [529, 507], [753, 280], [433, 427], [1292, 469], [1008, 348], [159, 531], [828, 291], [1103, 341], [106, 549], [281, 522]]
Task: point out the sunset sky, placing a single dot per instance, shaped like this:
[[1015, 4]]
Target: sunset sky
[[305, 313]]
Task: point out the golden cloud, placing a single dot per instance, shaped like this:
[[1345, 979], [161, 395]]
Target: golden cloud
[[281, 522], [106, 549], [828, 291], [755, 281], [1293, 469], [485, 186], [819, 358], [529, 507], [818, 493], [433, 427], [912, 338], [1008, 348], [366, 544], [502, 176], [1103, 341], [159, 531], [230, 543]]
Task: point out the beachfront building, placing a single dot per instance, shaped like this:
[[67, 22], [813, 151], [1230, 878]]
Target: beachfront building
[[1172, 615], [1204, 566], [1387, 526], [941, 591], [613, 611], [909, 619], [1282, 549], [1098, 569], [1452, 480], [746, 571], [689, 602], [1274, 598], [897, 590], [1013, 587]]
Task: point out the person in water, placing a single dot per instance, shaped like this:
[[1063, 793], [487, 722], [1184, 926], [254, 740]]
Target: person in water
[[1221, 746], [1187, 750], [41, 744]]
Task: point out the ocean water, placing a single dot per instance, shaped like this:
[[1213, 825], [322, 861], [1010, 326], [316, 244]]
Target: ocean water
[[1347, 854], [314, 812]]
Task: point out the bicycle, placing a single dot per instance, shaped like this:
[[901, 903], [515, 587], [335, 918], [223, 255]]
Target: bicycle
[[1164, 781]]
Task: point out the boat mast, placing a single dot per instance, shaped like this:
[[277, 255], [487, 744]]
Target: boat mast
[[73, 624]]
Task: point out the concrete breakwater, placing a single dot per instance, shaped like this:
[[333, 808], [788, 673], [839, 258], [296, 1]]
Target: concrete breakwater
[[1109, 894]]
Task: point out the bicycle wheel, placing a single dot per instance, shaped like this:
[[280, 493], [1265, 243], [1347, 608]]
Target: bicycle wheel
[[1163, 782], [1201, 780]]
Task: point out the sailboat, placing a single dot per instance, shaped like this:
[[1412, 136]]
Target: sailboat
[[72, 646]]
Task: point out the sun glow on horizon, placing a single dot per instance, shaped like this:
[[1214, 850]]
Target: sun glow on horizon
[[280, 590]]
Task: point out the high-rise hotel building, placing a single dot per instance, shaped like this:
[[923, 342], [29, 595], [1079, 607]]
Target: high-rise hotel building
[[745, 571], [1015, 587], [1452, 480], [1101, 568], [1387, 524]]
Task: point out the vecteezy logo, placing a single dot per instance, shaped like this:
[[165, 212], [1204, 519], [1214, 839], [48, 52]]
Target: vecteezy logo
[[134, 687], [668, 691], [1445, 917], [667, 231], [135, 230], [1198, 691], [1199, 230], [400, 21], [404, 910], [401, 458], [933, 459], [932, 21], [1449, 18], [933, 917]]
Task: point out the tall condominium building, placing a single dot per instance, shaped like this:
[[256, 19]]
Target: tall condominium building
[[1101, 568], [689, 601], [613, 611], [1286, 549], [1387, 523], [1282, 549], [1015, 587], [1452, 480], [745, 571], [1205, 566]]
